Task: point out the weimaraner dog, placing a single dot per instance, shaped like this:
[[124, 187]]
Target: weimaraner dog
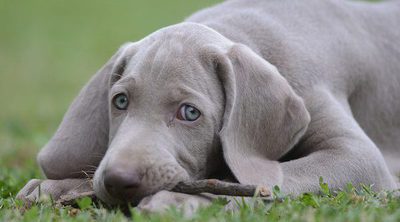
[[262, 92]]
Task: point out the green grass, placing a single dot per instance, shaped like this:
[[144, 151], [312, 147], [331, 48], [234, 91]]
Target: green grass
[[348, 205], [50, 48]]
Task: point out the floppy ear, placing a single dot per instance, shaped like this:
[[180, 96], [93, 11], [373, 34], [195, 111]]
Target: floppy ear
[[82, 138], [264, 118]]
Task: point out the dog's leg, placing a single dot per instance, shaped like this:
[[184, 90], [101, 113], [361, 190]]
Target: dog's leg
[[162, 200], [35, 189], [335, 148], [188, 203]]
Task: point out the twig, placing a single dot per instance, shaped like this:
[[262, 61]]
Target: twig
[[212, 186], [70, 199], [219, 187]]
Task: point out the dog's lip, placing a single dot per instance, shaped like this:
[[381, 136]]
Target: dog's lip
[[141, 193], [133, 199], [185, 166]]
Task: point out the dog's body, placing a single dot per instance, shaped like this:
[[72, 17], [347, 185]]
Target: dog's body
[[331, 102], [341, 54]]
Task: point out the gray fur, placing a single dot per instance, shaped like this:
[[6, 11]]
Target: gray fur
[[289, 91]]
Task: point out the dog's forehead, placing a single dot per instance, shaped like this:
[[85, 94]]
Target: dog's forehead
[[161, 64], [165, 61], [170, 59], [175, 47]]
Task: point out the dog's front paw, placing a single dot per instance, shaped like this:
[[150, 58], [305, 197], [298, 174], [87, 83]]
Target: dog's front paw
[[163, 200], [26, 193], [36, 190]]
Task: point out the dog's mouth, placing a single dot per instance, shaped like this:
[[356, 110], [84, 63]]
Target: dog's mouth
[[140, 193], [153, 180]]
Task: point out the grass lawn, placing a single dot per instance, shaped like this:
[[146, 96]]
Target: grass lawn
[[50, 48]]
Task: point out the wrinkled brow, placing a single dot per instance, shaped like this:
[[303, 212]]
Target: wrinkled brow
[[128, 81], [183, 92]]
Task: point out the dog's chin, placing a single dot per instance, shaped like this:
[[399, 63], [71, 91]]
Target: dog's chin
[[134, 199]]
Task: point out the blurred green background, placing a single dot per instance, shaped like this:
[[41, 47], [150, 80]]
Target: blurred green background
[[48, 51]]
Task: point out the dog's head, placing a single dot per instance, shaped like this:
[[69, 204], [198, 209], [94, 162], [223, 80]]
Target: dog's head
[[186, 99], [165, 112]]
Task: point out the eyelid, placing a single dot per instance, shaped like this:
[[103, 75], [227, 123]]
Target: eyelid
[[118, 90], [189, 104]]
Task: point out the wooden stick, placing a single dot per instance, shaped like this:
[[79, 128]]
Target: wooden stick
[[70, 199], [219, 187], [212, 186]]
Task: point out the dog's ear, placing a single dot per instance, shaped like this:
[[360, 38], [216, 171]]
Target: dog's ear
[[82, 137], [263, 119]]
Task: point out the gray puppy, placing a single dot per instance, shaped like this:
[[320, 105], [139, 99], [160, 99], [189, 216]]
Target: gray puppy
[[276, 92]]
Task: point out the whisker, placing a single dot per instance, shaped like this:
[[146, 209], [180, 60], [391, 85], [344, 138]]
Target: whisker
[[88, 174]]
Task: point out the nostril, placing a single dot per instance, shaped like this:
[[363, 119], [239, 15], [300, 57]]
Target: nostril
[[121, 183], [130, 186]]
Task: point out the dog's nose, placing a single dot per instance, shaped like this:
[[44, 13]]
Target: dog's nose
[[121, 183]]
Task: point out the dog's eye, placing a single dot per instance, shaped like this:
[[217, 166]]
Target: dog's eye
[[188, 113], [120, 101]]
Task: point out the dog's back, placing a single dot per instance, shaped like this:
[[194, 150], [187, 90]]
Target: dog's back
[[351, 48]]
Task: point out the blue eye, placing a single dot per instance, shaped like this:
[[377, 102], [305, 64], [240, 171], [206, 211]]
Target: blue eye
[[120, 101], [188, 113]]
